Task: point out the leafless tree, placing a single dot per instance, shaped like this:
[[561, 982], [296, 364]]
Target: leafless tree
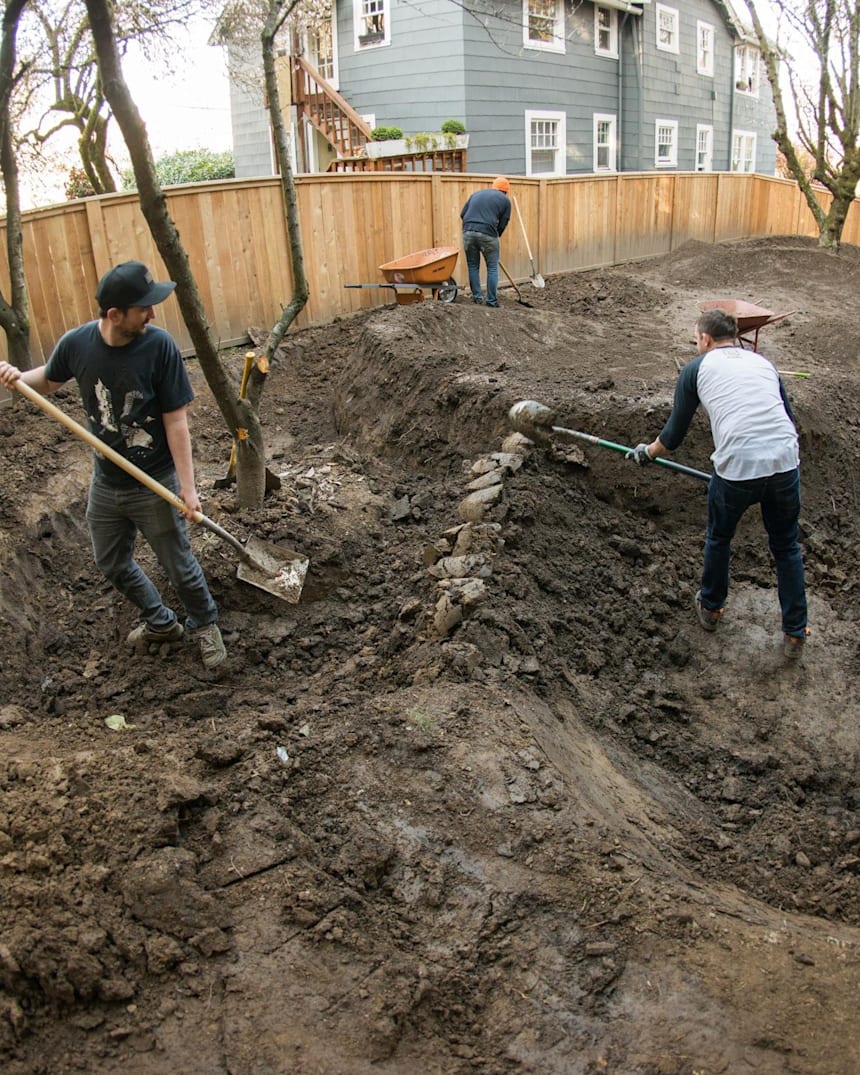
[[827, 109], [14, 311]]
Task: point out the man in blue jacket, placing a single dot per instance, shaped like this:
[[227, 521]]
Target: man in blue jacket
[[485, 216], [756, 461]]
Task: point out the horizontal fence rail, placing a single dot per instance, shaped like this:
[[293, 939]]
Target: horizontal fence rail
[[235, 234]]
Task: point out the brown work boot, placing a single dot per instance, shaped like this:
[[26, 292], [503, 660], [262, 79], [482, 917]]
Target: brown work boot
[[143, 635], [708, 617], [794, 645]]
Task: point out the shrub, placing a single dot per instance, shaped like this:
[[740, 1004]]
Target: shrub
[[386, 134], [78, 185], [453, 126], [188, 166]]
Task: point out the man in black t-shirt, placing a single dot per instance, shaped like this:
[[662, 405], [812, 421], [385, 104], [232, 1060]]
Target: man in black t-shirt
[[135, 391]]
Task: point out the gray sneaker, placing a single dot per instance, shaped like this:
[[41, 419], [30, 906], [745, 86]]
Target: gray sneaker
[[144, 634], [211, 644]]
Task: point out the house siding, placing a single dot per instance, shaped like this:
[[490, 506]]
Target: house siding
[[442, 63]]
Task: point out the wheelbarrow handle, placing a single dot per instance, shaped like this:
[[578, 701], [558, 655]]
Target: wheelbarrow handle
[[590, 439]]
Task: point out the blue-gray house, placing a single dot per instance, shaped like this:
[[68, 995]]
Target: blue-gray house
[[543, 87]]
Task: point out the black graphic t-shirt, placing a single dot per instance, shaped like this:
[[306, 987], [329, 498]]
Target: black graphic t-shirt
[[125, 391]]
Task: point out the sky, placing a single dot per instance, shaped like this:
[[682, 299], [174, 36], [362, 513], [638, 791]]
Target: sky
[[188, 108]]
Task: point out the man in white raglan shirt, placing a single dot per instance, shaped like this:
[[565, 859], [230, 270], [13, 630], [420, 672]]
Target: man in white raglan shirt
[[756, 461]]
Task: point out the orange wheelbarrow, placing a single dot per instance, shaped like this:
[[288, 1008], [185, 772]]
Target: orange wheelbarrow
[[425, 270]]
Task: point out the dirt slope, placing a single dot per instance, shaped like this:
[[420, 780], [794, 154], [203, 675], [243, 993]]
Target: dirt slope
[[488, 799]]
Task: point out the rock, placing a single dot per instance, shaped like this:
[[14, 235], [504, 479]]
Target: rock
[[12, 715], [485, 481], [802, 860], [473, 508], [517, 444], [460, 567], [446, 616], [400, 509], [508, 461]]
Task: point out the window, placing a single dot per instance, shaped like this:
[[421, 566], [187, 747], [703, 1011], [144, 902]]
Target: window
[[667, 29], [704, 148], [605, 31], [546, 143], [705, 49], [743, 151], [746, 70], [604, 143], [666, 142], [370, 20], [321, 51], [543, 25]]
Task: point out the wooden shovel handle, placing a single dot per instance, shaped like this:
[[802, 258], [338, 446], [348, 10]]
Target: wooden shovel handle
[[105, 449], [523, 229]]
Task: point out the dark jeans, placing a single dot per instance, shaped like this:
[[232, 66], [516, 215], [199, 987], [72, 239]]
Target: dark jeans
[[779, 497], [476, 244], [114, 517]]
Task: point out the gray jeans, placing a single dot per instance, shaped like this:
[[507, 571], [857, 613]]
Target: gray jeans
[[114, 517]]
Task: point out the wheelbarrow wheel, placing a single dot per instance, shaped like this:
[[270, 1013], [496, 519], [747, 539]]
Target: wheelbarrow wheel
[[448, 291]]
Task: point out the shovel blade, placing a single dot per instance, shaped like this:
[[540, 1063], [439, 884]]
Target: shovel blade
[[538, 280], [280, 572]]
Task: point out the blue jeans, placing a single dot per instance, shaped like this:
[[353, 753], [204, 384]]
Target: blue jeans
[[779, 497], [476, 244], [114, 516]]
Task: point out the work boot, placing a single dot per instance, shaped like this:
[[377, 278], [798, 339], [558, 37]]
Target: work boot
[[143, 634], [794, 645], [211, 644], [708, 617]]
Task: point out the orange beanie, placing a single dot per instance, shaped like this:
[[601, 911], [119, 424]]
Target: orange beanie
[[501, 183]]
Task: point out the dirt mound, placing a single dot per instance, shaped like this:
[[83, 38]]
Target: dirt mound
[[487, 799]]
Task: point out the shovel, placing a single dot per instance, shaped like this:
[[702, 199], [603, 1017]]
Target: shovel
[[278, 571], [534, 420], [537, 279], [520, 298]]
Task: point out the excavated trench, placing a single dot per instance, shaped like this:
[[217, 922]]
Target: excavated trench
[[487, 799]]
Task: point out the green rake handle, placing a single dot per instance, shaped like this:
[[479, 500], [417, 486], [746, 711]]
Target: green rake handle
[[590, 439]]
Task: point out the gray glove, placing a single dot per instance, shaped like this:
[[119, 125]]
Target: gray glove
[[640, 455]]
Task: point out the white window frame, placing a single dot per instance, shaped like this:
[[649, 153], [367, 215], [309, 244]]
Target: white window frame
[[743, 151], [363, 10], [556, 42], [309, 43], [747, 70], [533, 116], [705, 42], [670, 161], [611, 48], [668, 19], [706, 163], [611, 144]]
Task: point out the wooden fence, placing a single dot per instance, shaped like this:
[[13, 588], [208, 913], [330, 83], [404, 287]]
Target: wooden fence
[[235, 235]]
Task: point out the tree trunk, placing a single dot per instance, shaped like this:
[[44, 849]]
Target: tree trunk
[[239, 414], [15, 313]]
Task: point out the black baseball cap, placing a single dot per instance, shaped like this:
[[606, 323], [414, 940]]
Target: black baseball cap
[[130, 284]]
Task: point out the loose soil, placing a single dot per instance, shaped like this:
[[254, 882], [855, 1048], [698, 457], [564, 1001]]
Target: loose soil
[[487, 799]]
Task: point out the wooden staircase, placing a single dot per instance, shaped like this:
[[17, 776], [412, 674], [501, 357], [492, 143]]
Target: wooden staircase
[[320, 105], [324, 108]]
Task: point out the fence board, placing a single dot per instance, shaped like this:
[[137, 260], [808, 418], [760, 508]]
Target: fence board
[[236, 237]]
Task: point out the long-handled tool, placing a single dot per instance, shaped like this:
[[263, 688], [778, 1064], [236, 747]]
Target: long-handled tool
[[520, 298], [535, 421], [278, 571], [537, 279]]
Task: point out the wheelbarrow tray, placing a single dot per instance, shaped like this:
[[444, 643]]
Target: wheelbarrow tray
[[432, 266], [749, 315]]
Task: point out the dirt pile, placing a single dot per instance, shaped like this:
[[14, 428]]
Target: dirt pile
[[552, 828]]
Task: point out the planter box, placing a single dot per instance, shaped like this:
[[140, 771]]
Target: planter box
[[399, 147]]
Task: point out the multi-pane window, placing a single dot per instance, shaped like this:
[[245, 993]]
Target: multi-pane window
[[604, 143], [605, 31], [747, 69], [667, 29], [743, 151], [704, 148], [371, 22], [704, 48], [543, 24], [666, 142], [546, 138]]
